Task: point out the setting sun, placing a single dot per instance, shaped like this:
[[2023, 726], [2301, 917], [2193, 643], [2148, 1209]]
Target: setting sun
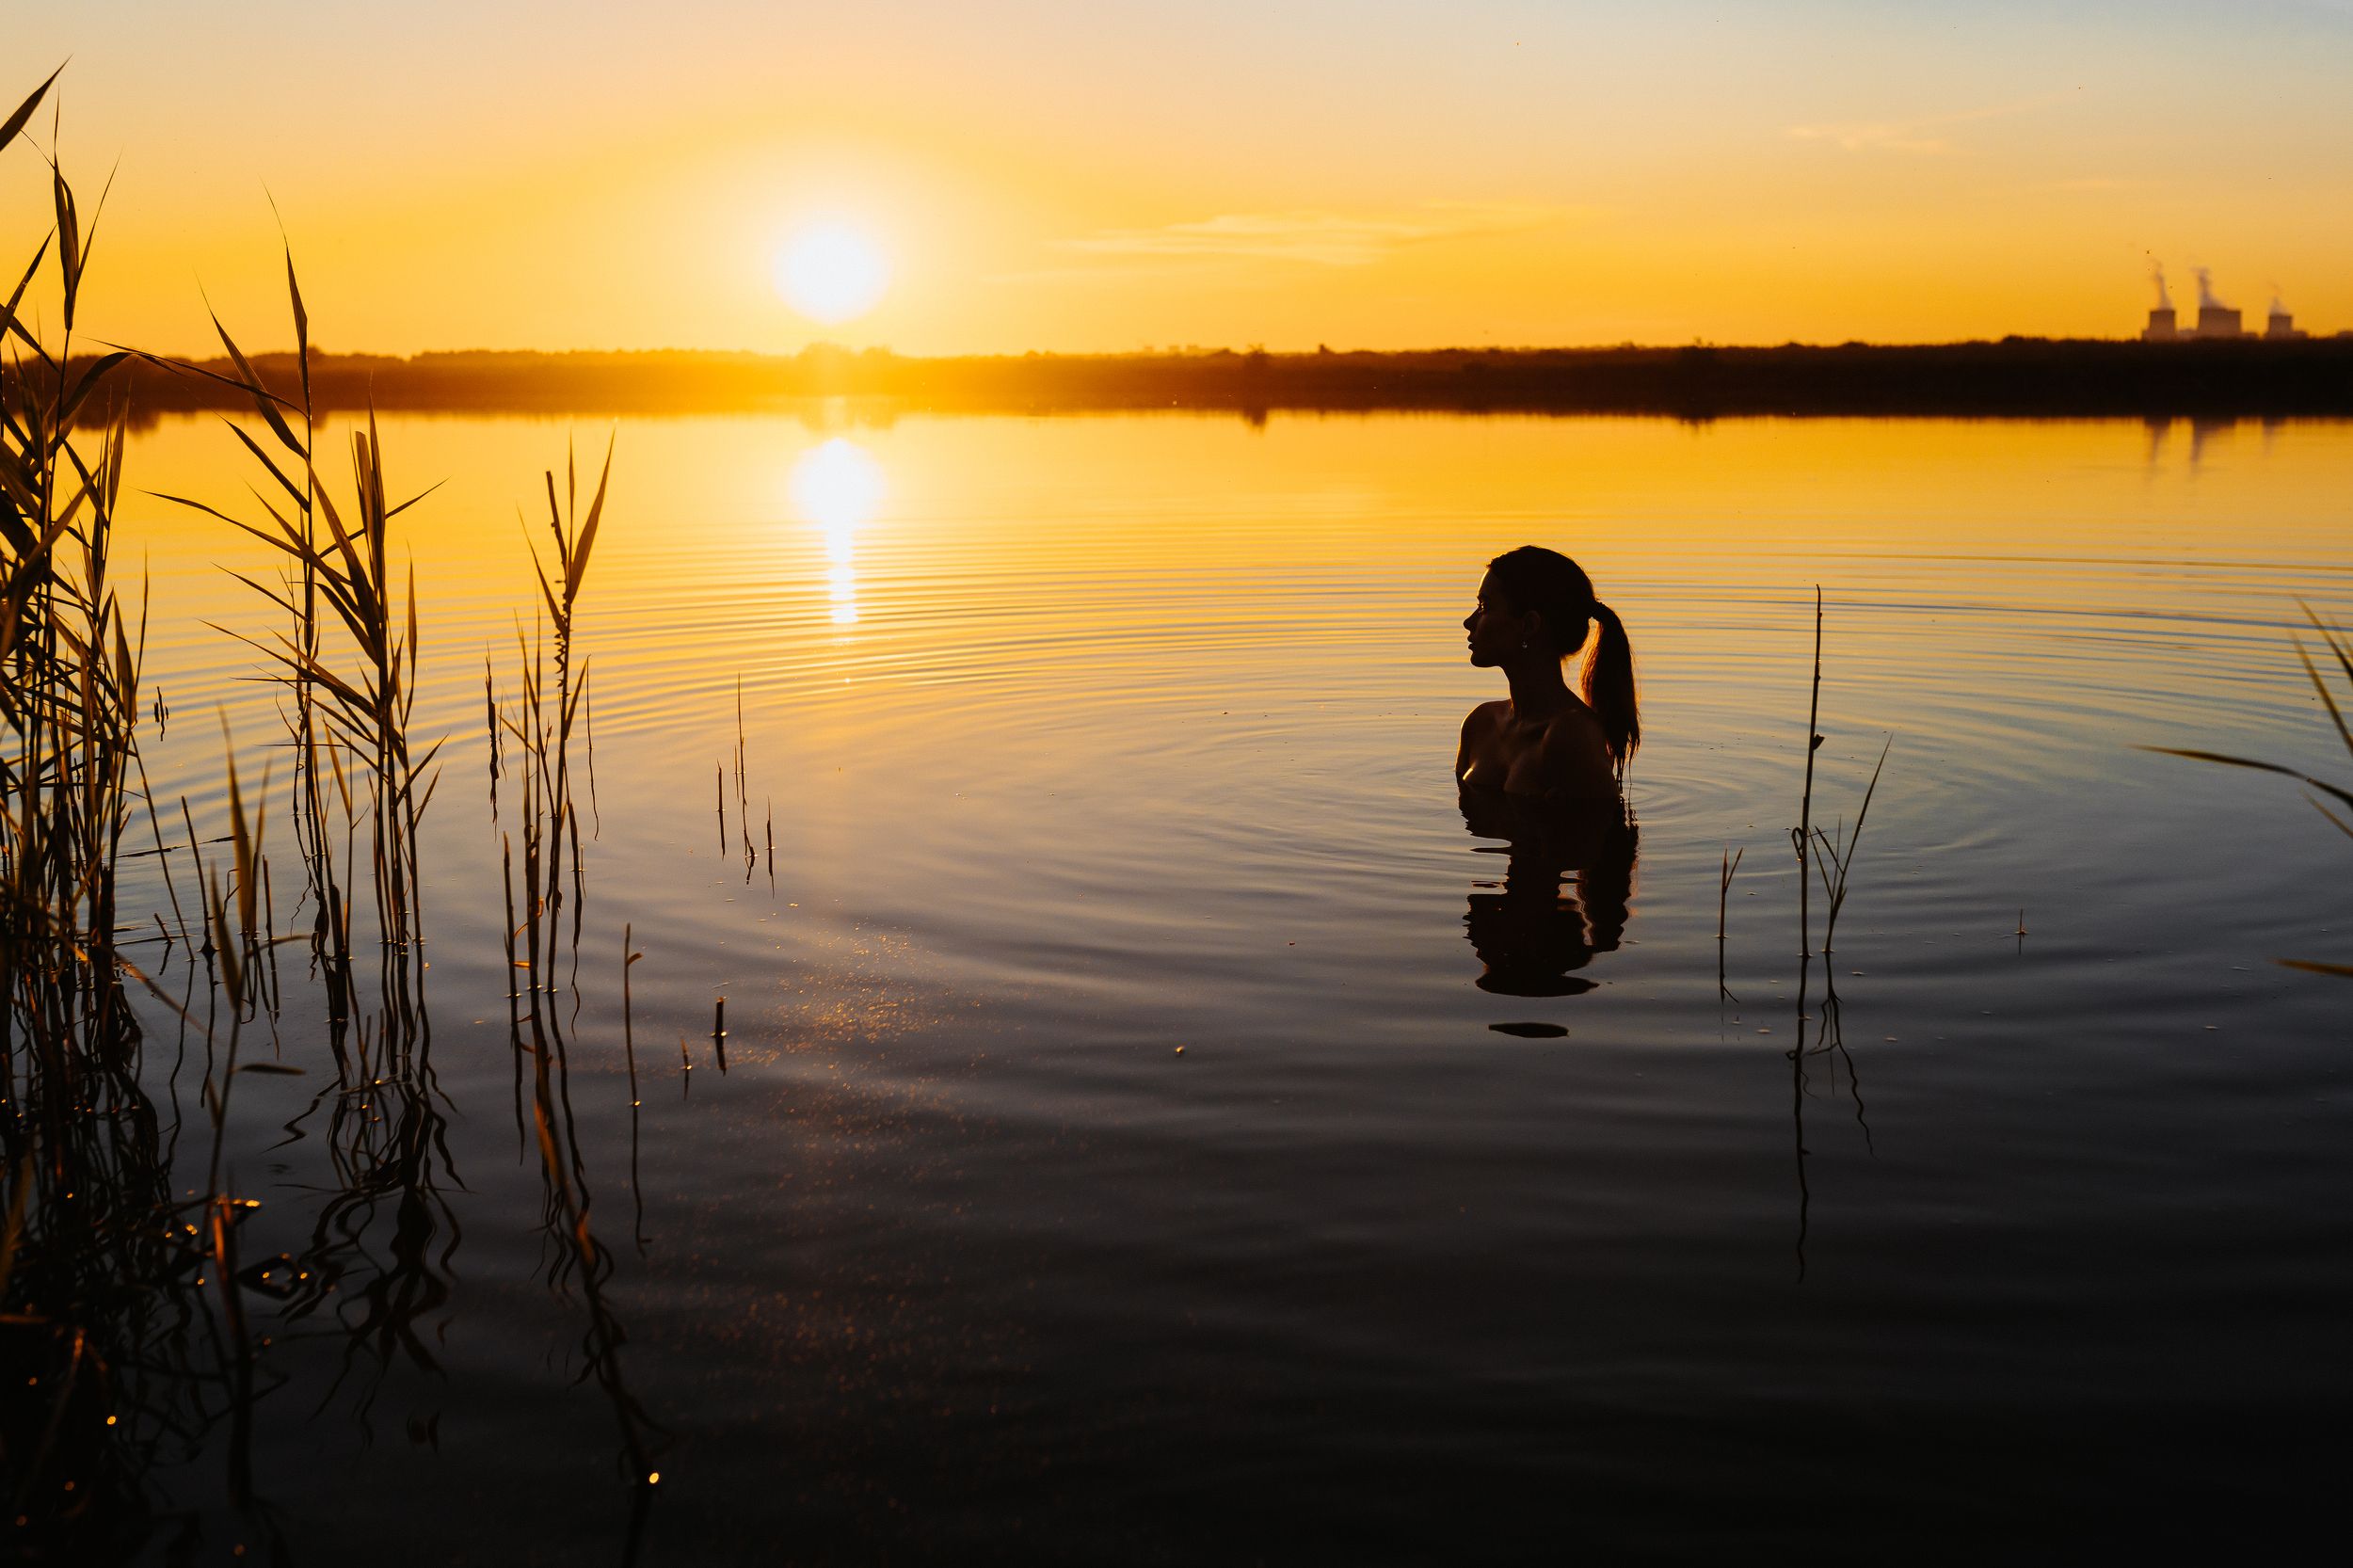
[[831, 273]]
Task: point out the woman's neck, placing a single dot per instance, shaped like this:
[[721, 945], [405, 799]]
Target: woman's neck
[[1537, 690]]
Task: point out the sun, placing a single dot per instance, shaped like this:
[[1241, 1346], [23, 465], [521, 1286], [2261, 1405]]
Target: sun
[[831, 272]]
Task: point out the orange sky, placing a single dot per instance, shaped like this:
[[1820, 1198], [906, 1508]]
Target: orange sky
[[1101, 177]]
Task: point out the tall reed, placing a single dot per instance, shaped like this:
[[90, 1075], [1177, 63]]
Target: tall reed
[[531, 742]]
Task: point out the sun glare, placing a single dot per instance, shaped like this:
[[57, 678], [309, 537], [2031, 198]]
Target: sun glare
[[831, 273]]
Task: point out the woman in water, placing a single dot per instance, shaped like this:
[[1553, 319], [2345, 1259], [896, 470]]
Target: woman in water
[[1535, 609]]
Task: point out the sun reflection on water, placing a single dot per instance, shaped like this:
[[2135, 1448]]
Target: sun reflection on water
[[837, 485]]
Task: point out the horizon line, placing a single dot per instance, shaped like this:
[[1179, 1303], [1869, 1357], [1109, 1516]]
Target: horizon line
[[1206, 351]]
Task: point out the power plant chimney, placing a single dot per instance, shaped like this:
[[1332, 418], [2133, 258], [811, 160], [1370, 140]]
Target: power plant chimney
[[2162, 327], [2215, 318]]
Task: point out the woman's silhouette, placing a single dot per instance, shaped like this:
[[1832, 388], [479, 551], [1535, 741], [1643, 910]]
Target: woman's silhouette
[[1535, 610], [1542, 770]]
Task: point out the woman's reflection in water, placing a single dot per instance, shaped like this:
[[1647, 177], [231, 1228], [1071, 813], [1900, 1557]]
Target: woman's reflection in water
[[1537, 928]]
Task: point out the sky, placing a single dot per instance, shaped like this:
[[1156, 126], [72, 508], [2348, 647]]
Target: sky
[[1112, 175]]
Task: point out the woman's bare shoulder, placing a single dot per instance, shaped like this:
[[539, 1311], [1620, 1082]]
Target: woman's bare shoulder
[[1575, 755], [1486, 716]]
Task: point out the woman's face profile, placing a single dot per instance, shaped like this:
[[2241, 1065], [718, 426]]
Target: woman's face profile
[[1495, 627]]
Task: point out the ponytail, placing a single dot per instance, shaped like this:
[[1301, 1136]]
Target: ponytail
[[1609, 686]]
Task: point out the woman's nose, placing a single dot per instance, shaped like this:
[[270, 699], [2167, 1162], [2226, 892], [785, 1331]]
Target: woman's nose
[[1467, 619]]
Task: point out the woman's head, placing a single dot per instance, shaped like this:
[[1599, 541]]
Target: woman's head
[[1538, 602]]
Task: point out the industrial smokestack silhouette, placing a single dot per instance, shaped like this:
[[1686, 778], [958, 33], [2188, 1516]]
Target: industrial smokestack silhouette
[[2215, 318], [2162, 327]]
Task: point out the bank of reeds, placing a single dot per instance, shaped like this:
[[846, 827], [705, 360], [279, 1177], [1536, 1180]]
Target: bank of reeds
[[103, 1259], [129, 1322]]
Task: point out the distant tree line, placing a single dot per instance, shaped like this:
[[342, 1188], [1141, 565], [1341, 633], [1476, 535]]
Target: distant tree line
[[2016, 377]]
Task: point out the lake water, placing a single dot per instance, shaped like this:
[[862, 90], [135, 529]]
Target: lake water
[[1118, 1154]]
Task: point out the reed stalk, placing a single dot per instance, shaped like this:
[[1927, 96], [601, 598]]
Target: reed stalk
[[1723, 898], [1802, 835]]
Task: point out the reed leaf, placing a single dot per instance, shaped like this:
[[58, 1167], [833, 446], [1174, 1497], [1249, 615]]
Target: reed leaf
[[262, 457], [69, 243], [576, 567], [2327, 699], [16, 121], [2230, 762], [2342, 648], [263, 398], [16, 296]]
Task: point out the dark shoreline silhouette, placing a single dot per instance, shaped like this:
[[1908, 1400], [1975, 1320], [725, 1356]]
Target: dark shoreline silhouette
[[2016, 378]]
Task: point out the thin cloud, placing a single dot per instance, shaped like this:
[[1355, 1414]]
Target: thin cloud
[[1316, 237], [1916, 137]]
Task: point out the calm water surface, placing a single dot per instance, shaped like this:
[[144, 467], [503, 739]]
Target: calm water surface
[[1117, 1155]]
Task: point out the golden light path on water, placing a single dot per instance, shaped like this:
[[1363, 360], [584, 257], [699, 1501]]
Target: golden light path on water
[[838, 487]]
